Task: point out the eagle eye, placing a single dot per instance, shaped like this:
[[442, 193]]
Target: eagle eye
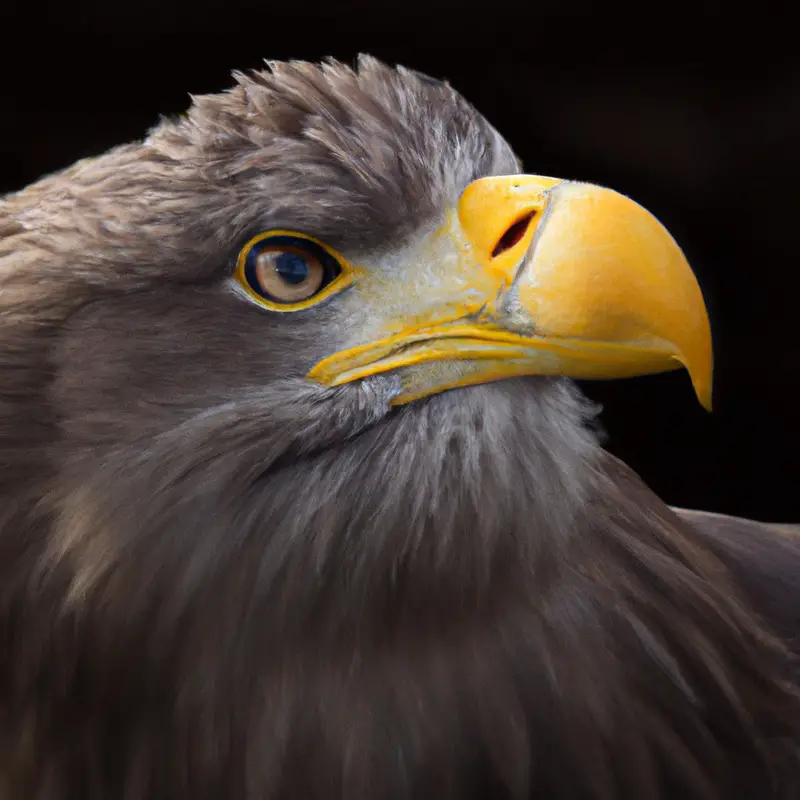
[[287, 271]]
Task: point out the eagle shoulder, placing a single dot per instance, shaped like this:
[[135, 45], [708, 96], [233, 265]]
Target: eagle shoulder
[[764, 558]]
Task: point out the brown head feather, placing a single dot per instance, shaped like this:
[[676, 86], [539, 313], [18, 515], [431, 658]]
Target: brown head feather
[[219, 580]]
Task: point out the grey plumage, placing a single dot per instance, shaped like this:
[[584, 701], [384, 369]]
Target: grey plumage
[[221, 580]]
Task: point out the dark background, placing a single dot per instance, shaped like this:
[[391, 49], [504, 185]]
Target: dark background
[[699, 123]]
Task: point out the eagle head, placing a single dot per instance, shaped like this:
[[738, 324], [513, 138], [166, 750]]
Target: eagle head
[[298, 497]]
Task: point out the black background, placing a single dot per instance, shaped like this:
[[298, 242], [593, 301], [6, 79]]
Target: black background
[[698, 122]]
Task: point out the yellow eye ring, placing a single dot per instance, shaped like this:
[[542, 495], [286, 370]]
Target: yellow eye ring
[[288, 271]]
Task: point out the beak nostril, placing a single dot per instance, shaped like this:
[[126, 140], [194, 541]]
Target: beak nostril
[[513, 235]]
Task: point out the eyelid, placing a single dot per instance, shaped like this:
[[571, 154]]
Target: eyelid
[[340, 282]]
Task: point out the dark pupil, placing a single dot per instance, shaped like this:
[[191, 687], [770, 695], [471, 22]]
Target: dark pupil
[[292, 268]]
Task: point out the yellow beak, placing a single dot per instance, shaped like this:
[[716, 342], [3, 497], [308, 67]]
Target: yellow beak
[[542, 276]]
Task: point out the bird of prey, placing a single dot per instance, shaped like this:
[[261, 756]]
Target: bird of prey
[[298, 499]]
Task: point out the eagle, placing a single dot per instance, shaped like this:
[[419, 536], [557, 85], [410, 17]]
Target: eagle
[[298, 496]]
